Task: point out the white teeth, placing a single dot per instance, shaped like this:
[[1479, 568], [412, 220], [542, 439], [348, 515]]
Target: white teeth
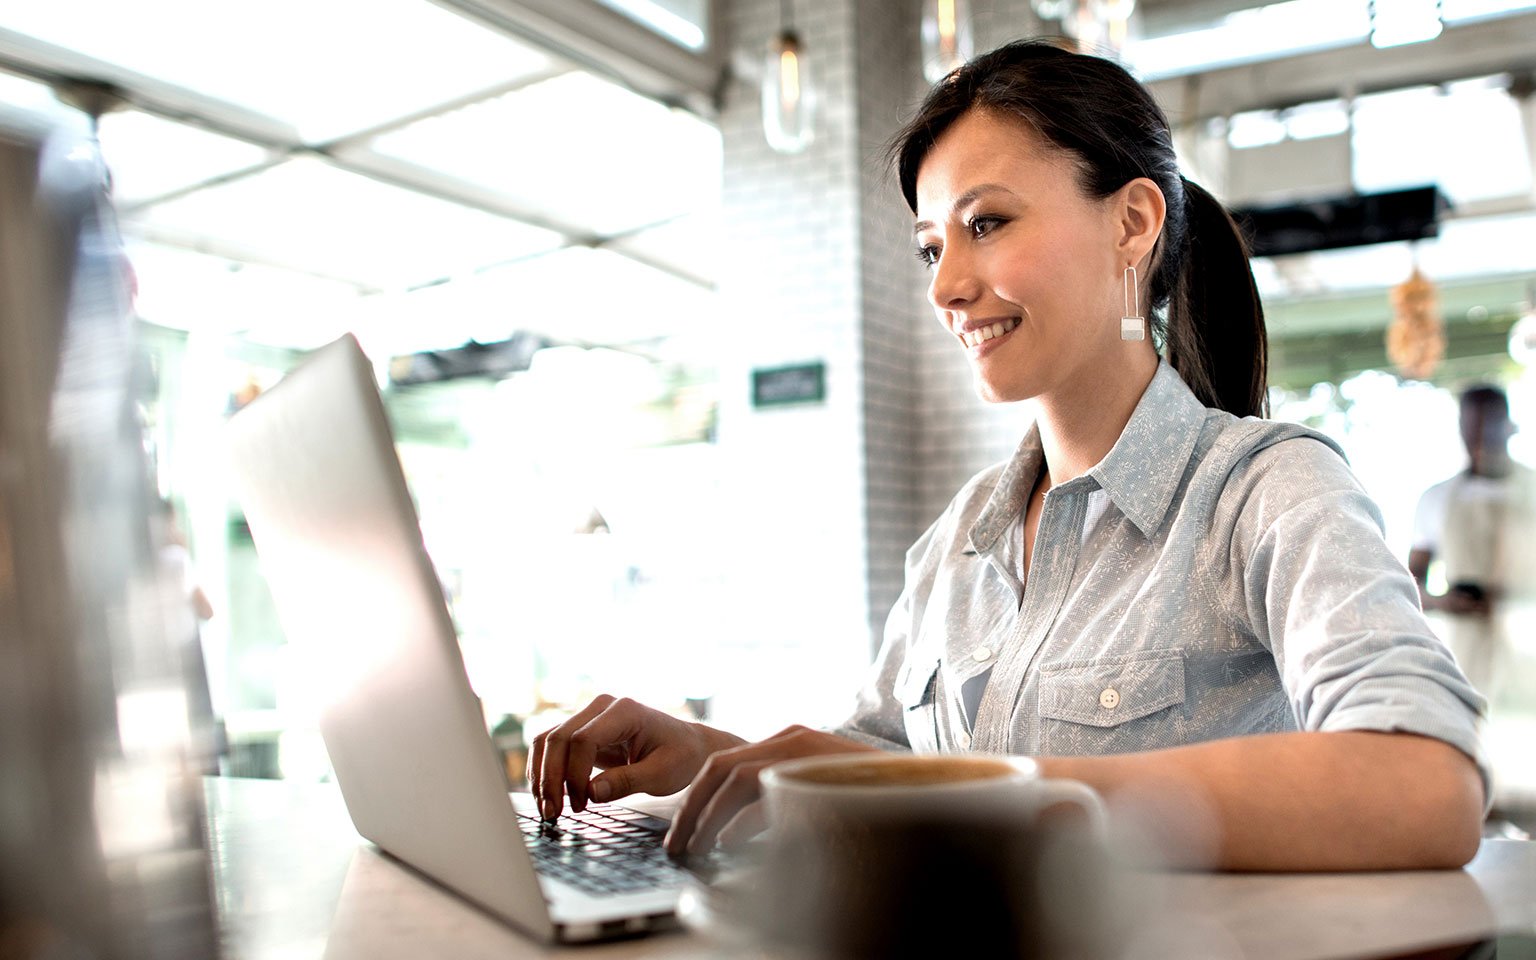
[[978, 337]]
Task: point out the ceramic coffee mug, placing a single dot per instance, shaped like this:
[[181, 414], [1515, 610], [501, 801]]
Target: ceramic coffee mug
[[895, 855]]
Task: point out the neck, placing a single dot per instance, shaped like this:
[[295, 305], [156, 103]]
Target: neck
[[1081, 422], [1493, 466]]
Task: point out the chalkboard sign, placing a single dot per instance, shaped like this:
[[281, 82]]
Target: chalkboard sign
[[803, 383]]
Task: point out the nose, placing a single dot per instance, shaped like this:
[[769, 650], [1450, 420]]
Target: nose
[[953, 283]]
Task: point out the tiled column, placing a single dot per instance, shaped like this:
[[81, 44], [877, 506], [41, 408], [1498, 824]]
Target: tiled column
[[819, 267]]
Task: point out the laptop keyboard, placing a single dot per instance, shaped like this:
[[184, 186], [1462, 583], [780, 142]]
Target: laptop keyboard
[[605, 849]]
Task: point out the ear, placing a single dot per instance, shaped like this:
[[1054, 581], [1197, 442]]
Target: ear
[[1139, 211]]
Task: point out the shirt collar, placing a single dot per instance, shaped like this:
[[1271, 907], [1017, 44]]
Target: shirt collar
[[1012, 490], [1141, 472]]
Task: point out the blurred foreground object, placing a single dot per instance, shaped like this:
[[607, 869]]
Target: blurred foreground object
[[973, 883], [885, 856], [101, 839]]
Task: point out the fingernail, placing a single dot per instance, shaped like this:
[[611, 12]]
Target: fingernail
[[601, 791]]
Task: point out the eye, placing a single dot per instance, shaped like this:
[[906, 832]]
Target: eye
[[980, 226], [928, 255]]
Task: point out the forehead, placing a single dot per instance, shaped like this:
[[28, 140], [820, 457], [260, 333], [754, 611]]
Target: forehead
[[984, 146]]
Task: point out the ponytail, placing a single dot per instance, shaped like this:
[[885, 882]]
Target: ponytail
[[1215, 331]]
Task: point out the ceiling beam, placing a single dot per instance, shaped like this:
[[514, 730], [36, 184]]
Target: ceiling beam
[[53, 65], [611, 45], [1501, 45]]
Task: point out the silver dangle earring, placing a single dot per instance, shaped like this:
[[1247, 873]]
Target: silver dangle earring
[[1132, 326]]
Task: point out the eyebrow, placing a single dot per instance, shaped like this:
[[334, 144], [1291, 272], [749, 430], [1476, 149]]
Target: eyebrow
[[964, 200]]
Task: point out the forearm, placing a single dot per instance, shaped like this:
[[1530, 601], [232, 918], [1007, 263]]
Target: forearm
[[1297, 801]]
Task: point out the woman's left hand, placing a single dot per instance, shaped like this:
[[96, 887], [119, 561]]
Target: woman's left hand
[[723, 801]]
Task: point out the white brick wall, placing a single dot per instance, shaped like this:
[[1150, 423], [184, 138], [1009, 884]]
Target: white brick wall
[[828, 497]]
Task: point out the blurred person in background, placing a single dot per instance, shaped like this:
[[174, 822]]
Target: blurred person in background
[[1187, 607], [1470, 524]]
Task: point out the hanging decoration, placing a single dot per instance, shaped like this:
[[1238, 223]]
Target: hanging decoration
[[947, 37], [789, 99], [1416, 336], [1115, 15]]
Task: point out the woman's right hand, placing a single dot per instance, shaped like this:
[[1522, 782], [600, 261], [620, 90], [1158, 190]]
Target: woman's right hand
[[641, 750]]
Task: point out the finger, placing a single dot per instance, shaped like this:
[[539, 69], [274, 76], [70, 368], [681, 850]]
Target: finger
[[614, 725], [552, 769], [621, 722], [710, 779], [740, 790], [658, 773], [535, 764], [751, 821], [699, 793]]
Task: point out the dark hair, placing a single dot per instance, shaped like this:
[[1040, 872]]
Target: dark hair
[[1485, 396], [1204, 306]]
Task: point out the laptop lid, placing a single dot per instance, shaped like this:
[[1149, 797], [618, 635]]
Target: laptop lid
[[315, 468]]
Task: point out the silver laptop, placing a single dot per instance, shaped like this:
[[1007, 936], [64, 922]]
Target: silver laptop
[[317, 473]]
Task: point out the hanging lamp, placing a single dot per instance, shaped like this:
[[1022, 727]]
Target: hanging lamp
[[789, 99], [947, 38]]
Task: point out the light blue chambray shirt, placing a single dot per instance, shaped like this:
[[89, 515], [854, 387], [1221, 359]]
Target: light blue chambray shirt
[[1210, 577]]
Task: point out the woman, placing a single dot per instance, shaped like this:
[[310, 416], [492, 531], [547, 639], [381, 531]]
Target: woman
[[1160, 595]]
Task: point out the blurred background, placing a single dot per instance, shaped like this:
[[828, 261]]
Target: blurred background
[[642, 304]]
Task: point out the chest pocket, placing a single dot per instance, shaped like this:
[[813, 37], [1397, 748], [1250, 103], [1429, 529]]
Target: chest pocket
[[1118, 705], [917, 692]]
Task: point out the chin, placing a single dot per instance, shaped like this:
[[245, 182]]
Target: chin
[[1001, 393]]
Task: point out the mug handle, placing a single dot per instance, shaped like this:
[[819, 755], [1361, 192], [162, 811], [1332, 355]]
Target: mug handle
[[1080, 795]]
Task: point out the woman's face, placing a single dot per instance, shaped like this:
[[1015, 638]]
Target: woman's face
[[1025, 272]]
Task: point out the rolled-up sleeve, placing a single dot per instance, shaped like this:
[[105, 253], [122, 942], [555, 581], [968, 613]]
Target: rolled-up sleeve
[[1340, 612]]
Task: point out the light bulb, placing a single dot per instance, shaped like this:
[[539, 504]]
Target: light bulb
[[788, 96], [947, 37]]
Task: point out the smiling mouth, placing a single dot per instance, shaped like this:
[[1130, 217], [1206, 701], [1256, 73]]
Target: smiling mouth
[[977, 337]]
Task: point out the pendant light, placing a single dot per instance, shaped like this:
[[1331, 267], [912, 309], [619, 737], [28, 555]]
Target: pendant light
[[789, 100], [947, 37]]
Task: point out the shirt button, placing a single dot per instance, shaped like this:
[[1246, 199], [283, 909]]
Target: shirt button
[[1109, 699], [981, 654], [964, 739]]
